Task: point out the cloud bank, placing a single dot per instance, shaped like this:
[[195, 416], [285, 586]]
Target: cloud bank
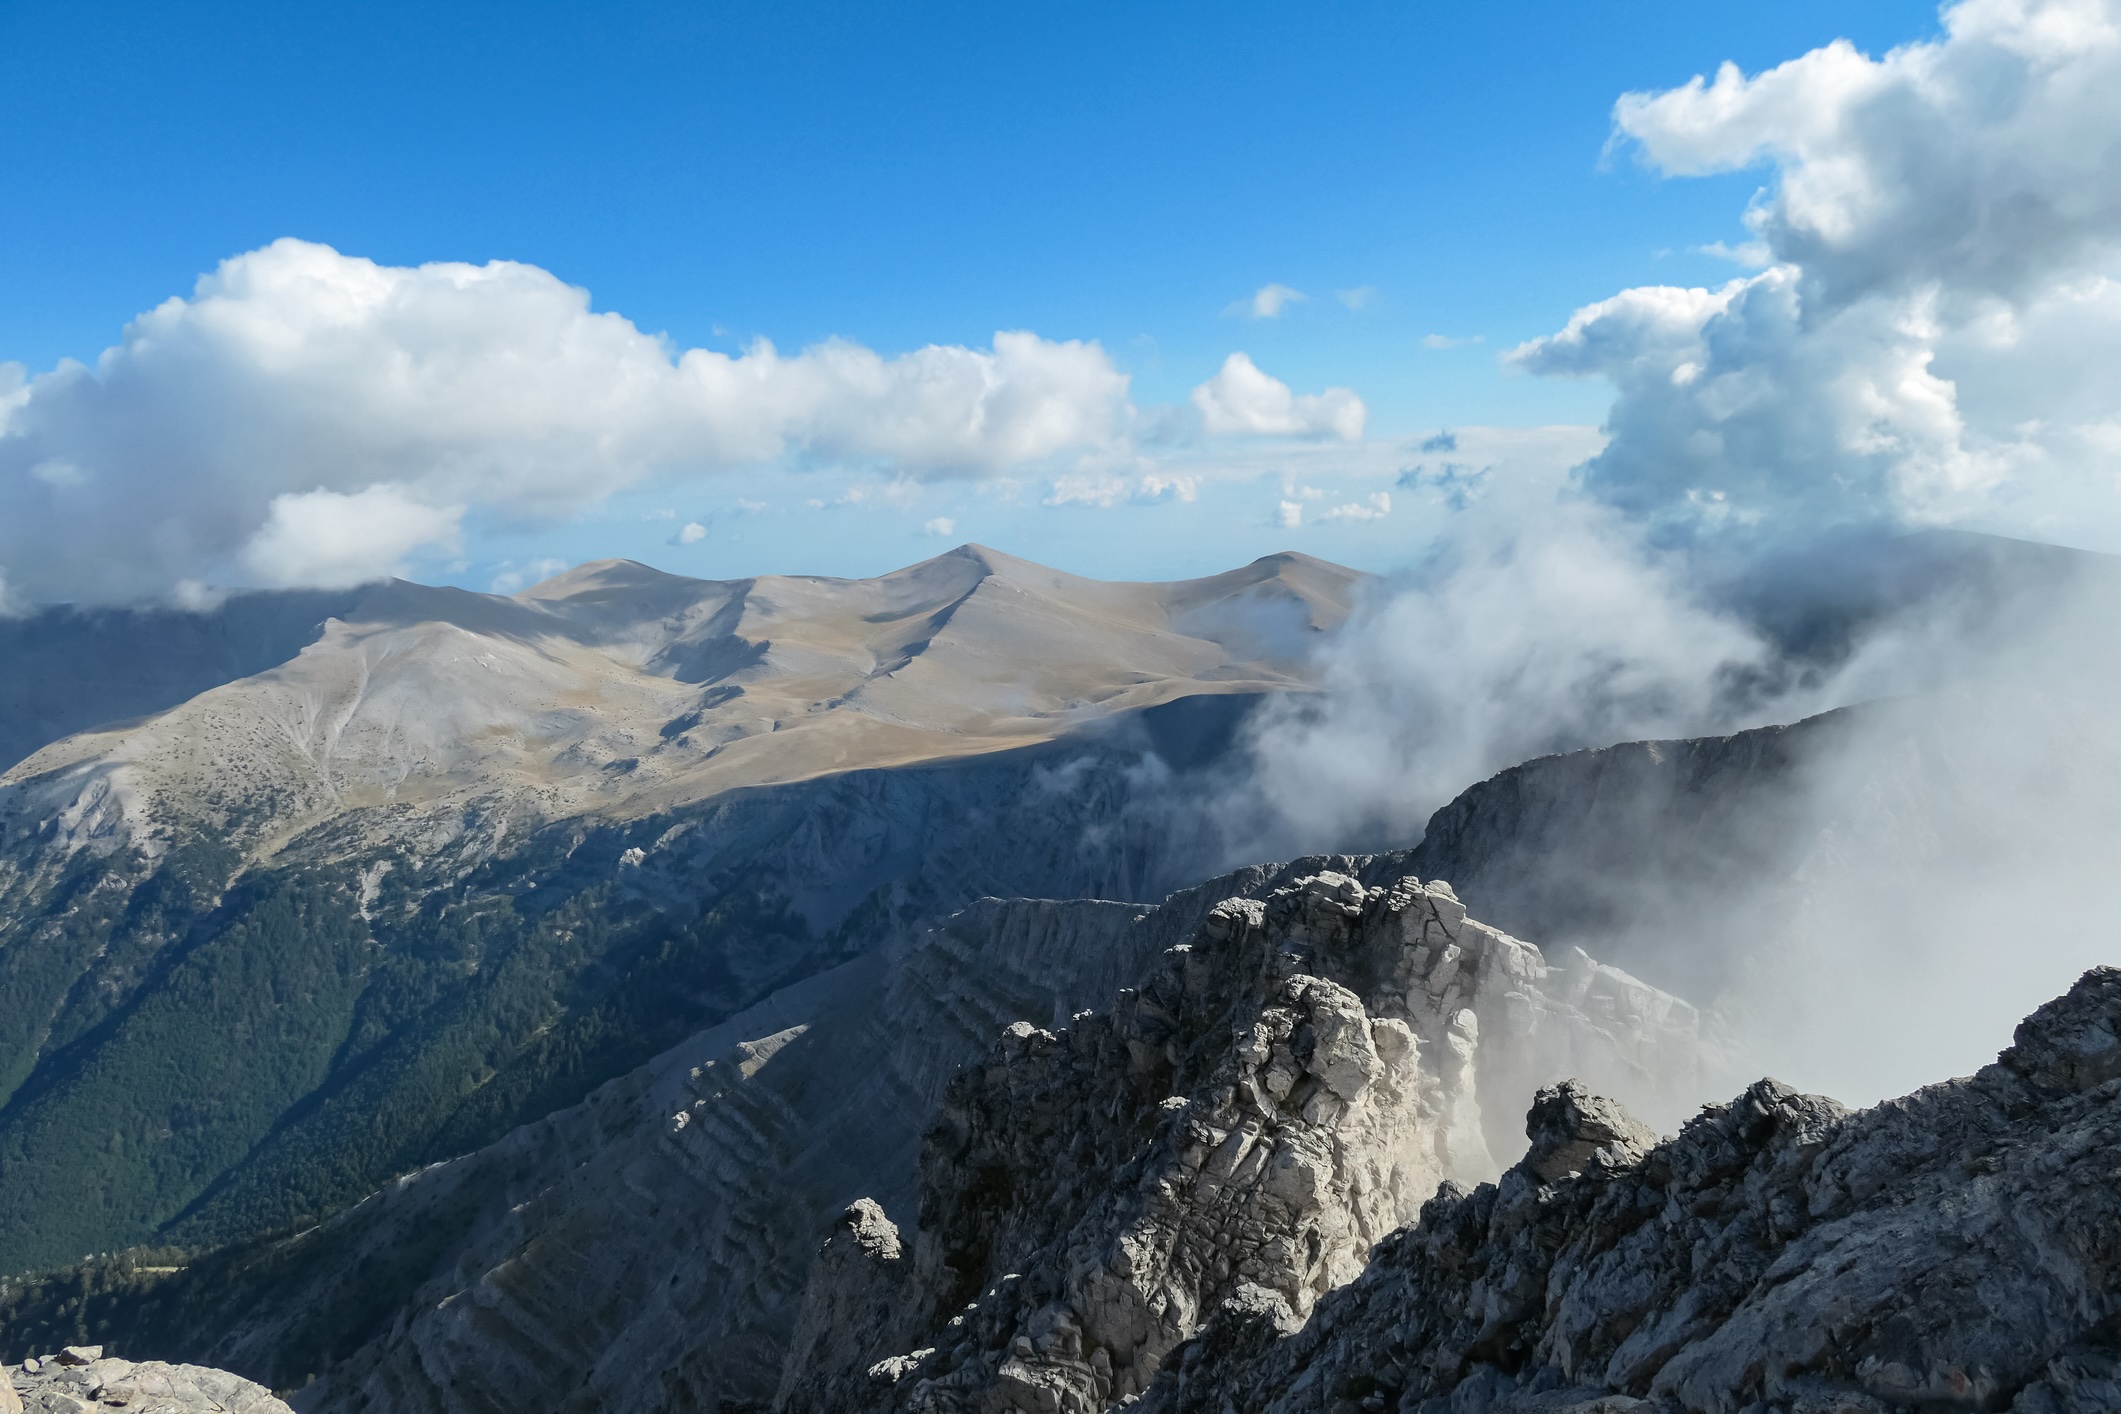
[[312, 418], [1937, 331]]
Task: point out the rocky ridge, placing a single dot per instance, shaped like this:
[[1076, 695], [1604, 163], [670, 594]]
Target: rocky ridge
[[1275, 1097], [1959, 1249]]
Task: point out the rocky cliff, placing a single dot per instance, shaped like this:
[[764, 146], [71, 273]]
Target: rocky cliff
[[81, 1379], [1156, 1208], [1276, 1096]]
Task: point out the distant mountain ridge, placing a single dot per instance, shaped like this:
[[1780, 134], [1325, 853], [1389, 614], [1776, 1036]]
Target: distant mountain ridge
[[457, 858], [615, 670]]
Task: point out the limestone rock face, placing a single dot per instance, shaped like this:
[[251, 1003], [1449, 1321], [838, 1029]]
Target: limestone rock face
[[81, 1379], [1276, 1097], [1959, 1249]]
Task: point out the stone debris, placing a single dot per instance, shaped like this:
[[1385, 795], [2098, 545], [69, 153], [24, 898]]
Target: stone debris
[[858, 1278], [1234, 1135], [82, 1378]]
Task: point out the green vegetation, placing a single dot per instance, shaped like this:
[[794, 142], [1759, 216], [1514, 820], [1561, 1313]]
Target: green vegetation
[[195, 1056], [201, 1061], [86, 1304]]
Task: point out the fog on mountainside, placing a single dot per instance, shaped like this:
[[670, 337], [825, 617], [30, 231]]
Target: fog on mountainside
[[1871, 899]]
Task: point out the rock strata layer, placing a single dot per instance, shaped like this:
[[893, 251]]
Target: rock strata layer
[[1276, 1097]]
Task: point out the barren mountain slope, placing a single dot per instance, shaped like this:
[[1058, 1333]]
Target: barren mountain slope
[[618, 689]]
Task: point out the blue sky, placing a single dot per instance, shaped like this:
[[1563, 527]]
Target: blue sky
[[908, 175]]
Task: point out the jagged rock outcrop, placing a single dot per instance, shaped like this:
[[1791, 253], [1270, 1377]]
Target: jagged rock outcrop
[[861, 1281], [1572, 1130], [1275, 1097], [80, 1379], [1959, 1249]]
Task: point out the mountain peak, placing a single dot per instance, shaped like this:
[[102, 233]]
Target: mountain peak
[[600, 577]]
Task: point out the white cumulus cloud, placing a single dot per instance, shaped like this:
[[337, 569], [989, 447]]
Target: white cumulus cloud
[[1240, 399], [306, 416], [1376, 506], [939, 527], [1936, 334]]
